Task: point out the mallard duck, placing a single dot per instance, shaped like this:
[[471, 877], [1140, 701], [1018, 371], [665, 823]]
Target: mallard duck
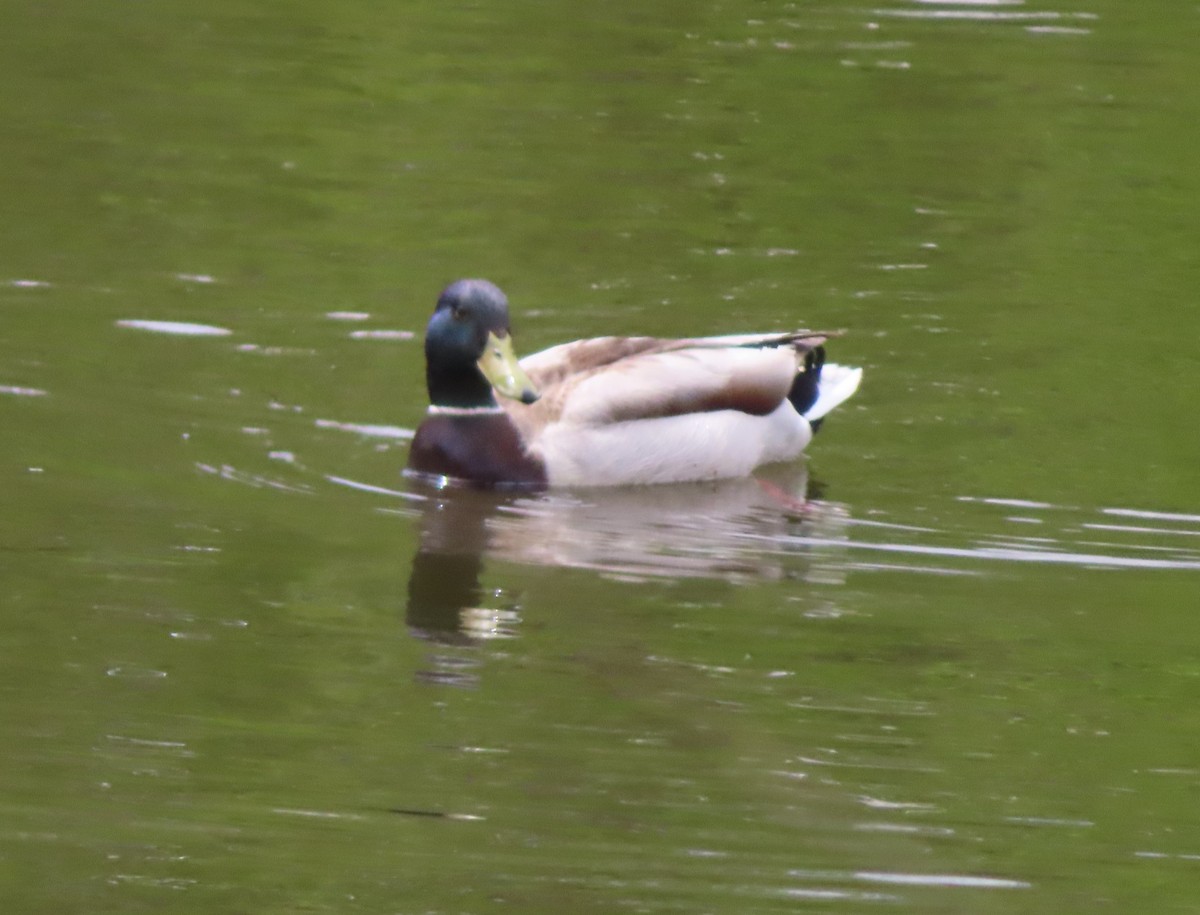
[[612, 411]]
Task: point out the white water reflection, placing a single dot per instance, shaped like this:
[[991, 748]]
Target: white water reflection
[[1057, 30], [1140, 529], [18, 391], [997, 554], [1151, 516], [370, 430], [258, 481], [382, 335], [176, 328], [368, 487], [983, 15], [944, 880], [903, 878]]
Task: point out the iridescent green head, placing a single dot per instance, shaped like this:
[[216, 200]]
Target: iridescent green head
[[468, 349]]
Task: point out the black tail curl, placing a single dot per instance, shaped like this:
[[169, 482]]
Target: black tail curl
[[806, 386]]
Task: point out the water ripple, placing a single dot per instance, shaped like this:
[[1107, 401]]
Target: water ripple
[[943, 880], [176, 328], [905, 878], [997, 554], [1059, 541], [17, 391], [1150, 515], [370, 430], [983, 15]]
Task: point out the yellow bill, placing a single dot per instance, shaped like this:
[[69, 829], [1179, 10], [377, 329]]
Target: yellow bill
[[500, 367]]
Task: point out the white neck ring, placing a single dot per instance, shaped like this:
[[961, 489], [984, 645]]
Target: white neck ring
[[439, 410]]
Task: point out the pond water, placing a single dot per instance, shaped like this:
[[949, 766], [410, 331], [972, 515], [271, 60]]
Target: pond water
[[249, 668]]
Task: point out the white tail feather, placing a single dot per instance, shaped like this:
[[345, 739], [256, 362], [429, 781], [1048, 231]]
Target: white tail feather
[[838, 383]]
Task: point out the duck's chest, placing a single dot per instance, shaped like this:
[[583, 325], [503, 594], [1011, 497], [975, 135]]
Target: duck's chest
[[482, 448]]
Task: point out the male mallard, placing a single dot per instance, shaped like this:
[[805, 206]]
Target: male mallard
[[612, 410]]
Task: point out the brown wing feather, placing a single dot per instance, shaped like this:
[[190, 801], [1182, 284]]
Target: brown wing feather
[[552, 366], [616, 379]]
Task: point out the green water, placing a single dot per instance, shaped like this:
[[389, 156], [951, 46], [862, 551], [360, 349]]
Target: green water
[[247, 668]]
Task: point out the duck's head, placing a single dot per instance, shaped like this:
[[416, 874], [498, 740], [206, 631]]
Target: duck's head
[[469, 351]]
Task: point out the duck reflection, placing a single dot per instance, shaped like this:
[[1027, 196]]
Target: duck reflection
[[769, 527], [446, 602]]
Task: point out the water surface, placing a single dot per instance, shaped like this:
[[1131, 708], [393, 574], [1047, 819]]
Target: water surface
[[946, 664]]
